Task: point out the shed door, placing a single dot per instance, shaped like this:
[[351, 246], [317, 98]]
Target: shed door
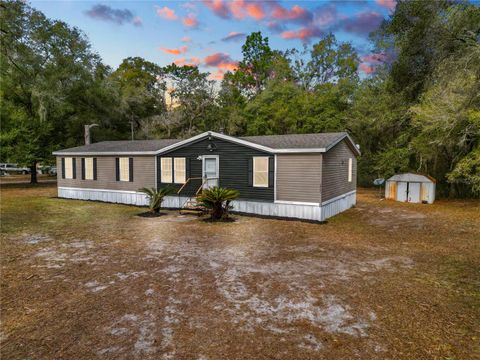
[[414, 192], [401, 191]]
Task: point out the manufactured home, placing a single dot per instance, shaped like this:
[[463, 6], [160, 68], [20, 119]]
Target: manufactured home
[[304, 176]]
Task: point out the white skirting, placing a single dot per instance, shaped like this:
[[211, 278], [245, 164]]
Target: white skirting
[[298, 211], [338, 204]]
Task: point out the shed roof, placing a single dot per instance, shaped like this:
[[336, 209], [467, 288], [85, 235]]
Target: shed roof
[[411, 177]]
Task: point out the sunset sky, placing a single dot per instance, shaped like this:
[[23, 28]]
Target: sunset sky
[[210, 33]]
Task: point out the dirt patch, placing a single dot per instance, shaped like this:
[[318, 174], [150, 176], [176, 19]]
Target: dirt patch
[[78, 285], [150, 214], [229, 219]]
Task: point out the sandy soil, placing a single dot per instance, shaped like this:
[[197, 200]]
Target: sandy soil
[[83, 280]]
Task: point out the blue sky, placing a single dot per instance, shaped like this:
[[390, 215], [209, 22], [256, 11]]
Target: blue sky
[[210, 33]]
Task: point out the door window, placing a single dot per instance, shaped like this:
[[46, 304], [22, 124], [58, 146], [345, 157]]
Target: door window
[[210, 172]]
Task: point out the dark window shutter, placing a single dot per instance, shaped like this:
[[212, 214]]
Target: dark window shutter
[[117, 169], [271, 172], [63, 168], [74, 168], [94, 168], [83, 168], [250, 172], [187, 168], [130, 169]]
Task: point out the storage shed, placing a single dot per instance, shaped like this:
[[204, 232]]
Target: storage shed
[[411, 187]]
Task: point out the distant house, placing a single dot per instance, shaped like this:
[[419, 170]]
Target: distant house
[[410, 187], [305, 176]]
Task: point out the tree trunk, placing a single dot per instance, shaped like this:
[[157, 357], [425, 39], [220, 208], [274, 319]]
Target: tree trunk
[[33, 173]]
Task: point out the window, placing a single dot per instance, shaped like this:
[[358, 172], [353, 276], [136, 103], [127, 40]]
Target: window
[[179, 170], [350, 169], [68, 168], [166, 170], [260, 171], [88, 168], [124, 168]]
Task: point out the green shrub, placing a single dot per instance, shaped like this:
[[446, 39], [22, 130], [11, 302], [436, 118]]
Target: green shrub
[[155, 197], [217, 201]]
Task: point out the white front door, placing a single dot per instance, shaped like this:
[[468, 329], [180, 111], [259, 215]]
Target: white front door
[[210, 172]]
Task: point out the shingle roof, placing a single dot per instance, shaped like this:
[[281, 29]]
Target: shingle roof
[[296, 141], [122, 146], [322, 141]]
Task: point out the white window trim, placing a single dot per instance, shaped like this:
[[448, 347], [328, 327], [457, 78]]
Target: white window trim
[[68, 160], [268, 169], [90, 161], [120, 168], [350, 169], [162, 176], [175, 170]]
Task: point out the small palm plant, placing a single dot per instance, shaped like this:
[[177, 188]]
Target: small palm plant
[[155, 197], [217, 200]]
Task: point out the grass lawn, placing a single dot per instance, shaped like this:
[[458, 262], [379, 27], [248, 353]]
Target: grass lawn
[[84, 280]]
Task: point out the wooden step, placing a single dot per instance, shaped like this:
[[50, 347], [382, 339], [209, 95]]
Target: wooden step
[[191, 211]]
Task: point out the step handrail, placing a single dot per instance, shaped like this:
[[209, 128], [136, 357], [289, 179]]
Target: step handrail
[[203, 183], [186, 182]]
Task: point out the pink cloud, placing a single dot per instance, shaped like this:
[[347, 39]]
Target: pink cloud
[[362, 23], [375, 58], [326, 15], [189, 5], [217, 75], [186, 39], [178, 51], [238, 9], [388, 4], [255, 10], [218, 7], [166, 13], [367, 69], [221, 61], [180, 61], [190, 21], [234, 36], [304, 34], [295, 13], [193, 61]]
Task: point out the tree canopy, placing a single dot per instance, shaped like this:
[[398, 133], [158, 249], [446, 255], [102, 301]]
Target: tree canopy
[[418, 111]]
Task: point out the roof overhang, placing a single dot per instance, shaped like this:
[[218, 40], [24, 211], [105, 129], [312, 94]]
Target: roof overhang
[[218, 136], [106, 153]]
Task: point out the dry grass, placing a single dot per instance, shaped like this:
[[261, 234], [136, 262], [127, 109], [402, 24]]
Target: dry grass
[[83, 280]]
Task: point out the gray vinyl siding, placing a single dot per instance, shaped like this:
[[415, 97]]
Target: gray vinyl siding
[[233, 166], [335, 171], [299, 177], [143, 174]]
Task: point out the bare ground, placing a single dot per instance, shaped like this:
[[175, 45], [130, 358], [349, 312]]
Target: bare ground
[[83, 280]]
